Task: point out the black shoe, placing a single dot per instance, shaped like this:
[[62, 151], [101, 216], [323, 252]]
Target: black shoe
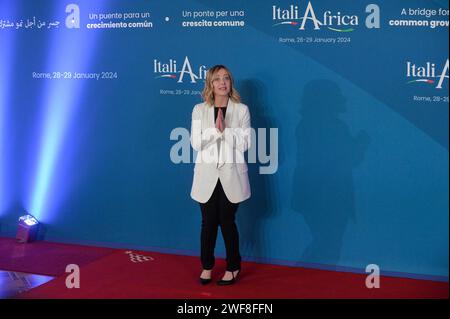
[[222, 282], [204, 281]]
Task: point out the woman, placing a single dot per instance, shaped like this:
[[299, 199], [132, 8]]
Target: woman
[[220, 133]]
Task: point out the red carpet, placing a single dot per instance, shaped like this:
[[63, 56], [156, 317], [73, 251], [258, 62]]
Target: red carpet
[[46, 258], [175, 277]]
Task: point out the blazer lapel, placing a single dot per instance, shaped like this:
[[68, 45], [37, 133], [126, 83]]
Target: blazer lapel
[[228, 119], [211, 124], [228, 114], [211, 121]]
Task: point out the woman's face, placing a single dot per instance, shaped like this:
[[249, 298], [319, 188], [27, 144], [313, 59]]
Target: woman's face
[[221, 83]]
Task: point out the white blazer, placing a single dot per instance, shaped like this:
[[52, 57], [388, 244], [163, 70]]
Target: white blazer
[[221, 155]]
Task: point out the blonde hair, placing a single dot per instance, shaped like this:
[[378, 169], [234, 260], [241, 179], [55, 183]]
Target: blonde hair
[[208, 90]]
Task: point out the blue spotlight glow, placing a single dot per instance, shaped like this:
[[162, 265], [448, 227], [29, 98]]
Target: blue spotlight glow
[[6, 62], [59, 104], [70, 50]]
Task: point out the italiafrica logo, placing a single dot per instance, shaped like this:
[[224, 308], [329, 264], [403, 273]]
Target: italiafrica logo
[[426, 73], [170, 70], [338, 21]]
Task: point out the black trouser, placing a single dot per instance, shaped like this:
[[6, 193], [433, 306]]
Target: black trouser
[[218, 210]]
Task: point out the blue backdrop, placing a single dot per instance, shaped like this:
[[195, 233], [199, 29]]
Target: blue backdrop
[[90, 92]]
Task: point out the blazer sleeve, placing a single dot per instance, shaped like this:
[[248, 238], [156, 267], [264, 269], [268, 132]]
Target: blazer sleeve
[[201, 140], [240, 138]]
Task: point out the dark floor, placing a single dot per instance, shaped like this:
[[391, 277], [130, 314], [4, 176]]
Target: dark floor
[[13, 283]]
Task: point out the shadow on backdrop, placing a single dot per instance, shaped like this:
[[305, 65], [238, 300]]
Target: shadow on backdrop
[[261, 205], [323, 188]]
